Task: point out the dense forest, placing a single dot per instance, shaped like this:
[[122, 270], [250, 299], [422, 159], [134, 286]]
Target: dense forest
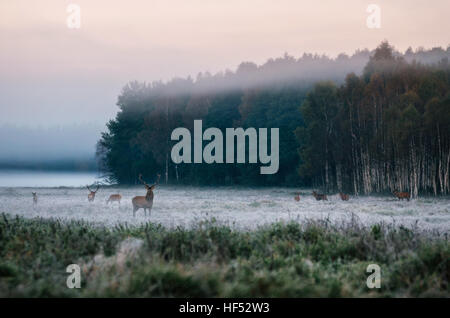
[[371, 122]]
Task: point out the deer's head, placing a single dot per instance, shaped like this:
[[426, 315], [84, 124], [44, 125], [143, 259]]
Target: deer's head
[[93, 192], [34, 197], [149, 188], [91, 195]]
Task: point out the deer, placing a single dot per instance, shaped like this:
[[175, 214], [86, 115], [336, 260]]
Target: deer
[[35, 198], [402, 195], [144, 202], [297, 197], [113, 198], [91, 196], [344, 197], [320, 197]]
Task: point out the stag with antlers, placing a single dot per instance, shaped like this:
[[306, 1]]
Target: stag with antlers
[[91, 195], [145, 202]]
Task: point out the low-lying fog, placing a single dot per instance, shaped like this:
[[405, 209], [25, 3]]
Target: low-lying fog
[[240, 208]]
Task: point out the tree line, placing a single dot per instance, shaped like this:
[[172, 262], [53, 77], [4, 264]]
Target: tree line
[[370, 122], [388, 129]]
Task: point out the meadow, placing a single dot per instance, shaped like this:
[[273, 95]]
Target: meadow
[[236, 207], [315, 258]]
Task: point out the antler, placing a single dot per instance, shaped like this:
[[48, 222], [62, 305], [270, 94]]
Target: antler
[[157, 180], [140, 179], [98, 186]]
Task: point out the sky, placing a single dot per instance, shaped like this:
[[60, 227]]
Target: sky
[[54, 76]]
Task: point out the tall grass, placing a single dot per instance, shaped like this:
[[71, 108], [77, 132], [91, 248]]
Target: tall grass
[[312, 259]]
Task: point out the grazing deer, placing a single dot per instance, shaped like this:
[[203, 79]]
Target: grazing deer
[[144, 202], [320, 197], [297, 197], [114, 197], [91, 196], [344, 197], [34, 197], [402, 195]]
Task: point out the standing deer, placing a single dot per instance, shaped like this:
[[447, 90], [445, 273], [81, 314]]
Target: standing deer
[[35, 198], [344, 197], [91, 196], [114, 197], [402, 195], [144, 202], [320, 197], [297, 197]]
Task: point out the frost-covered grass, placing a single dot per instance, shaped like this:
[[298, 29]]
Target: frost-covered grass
[[236, 207], [314, 259]]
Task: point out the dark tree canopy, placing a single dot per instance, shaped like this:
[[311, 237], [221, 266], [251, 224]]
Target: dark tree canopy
[[370, 122]]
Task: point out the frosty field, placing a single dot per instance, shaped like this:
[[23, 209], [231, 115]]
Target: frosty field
[[239, 208]]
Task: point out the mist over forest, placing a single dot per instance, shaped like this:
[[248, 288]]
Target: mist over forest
[[340, 121], [72, 146], [304, 70]]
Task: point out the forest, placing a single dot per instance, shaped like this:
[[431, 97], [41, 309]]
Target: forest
[[373, 122]]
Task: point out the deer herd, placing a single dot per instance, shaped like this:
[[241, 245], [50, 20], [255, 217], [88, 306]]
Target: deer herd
[[146, 201], [139, 202], [346, 197]]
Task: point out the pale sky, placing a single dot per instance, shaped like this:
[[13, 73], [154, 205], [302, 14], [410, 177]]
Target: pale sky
[[52, 75]]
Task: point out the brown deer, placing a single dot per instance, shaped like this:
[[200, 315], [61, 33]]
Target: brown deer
[[344, 197], [35, 198], [114, 198], [402, 195], [297, 197], [91, 196], [144, 202], [320, 197]]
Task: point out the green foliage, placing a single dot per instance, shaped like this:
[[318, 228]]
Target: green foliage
[[35, 253], [314, 259]]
